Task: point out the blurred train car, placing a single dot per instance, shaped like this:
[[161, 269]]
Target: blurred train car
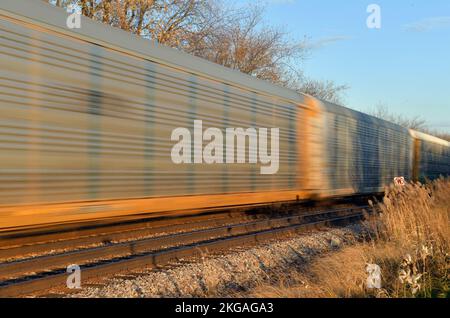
[[432, 157], [363, 153], [87, 116]]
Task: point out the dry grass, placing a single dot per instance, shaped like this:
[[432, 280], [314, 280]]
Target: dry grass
[[409, 240]]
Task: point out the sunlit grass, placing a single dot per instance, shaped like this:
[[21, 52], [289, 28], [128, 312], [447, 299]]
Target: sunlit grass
[[409, 240]]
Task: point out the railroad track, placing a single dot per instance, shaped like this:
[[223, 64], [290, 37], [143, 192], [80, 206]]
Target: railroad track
[[31, 264]]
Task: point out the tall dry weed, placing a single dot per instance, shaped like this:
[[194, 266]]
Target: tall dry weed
[[415, 215], [415, 221], [409, 240]]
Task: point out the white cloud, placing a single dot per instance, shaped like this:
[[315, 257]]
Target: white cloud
[[320, 43], [280, 2], [428, 24]]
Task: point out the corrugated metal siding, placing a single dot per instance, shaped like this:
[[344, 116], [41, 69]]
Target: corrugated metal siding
[[40, 14], [434, 160], [364, 153], [83, 122]]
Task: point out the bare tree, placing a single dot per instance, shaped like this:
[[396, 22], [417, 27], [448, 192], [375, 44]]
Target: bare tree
[[382, 111], [241, 41], [235, 37], [437, 133], [416, 123], [167, 21], [442, 135], [327, 90]]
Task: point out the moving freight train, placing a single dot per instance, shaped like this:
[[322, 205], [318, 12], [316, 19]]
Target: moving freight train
[[91, 118]]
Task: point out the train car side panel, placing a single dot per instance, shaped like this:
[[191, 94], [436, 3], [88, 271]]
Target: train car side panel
[[87, 122], [432, 158], [364, 154]]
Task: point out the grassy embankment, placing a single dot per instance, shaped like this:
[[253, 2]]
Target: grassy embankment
[[409, 241]]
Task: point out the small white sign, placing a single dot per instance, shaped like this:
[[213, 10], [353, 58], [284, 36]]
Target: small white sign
[[400, 181]]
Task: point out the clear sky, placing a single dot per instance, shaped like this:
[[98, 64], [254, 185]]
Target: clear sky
[[404, 65]]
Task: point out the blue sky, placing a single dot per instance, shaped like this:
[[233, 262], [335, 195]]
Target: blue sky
[[404, 65]]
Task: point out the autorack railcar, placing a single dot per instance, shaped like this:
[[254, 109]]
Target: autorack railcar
[[432, 157], [87, 116]]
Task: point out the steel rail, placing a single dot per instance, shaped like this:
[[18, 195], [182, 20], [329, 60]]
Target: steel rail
[[41, 263], [74, 231], [65, 231], [114, 234], [253, 234], [44, 243]]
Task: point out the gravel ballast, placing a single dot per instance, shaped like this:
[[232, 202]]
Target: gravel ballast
[[226, 275]]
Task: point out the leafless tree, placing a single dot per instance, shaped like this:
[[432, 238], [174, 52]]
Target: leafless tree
[[244, 43], [437, 133], [416, 123], [382, 111], [235, 37], [167, 21], [325, 90], [442, 135]]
